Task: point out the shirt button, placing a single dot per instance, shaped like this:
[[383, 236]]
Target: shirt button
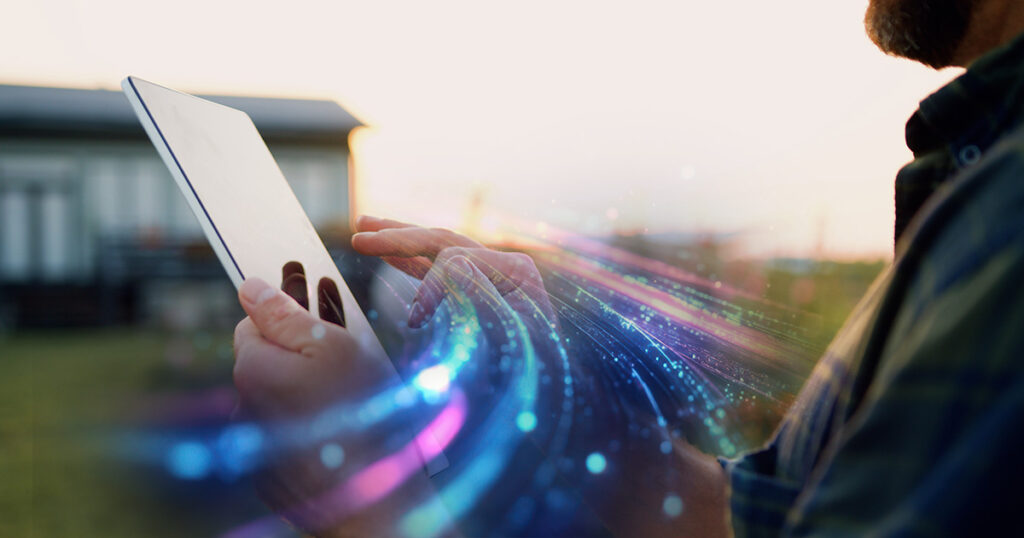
[[969, 155]]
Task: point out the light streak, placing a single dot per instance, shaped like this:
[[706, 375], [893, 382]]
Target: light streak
[[642, 356]]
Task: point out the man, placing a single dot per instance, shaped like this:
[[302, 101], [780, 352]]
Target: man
[[910, 423]]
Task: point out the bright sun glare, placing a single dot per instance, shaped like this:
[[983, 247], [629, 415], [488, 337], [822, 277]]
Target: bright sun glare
[[778, 123]]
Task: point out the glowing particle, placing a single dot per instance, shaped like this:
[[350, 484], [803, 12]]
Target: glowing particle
[[596, 463], [319, 331], [190, 460], [426, 521], [332, 455], [666, 447], [435, 379], [526, 421], [460, 353], [238, 448], [673, 505], [405, 397]]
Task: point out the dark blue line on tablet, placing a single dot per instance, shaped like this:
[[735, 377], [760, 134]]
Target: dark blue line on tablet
[[184, 175]]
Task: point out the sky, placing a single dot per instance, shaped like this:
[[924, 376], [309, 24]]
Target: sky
[[777, 124]]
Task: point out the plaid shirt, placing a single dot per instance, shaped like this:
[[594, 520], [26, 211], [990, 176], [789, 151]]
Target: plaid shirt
[[913, 421]]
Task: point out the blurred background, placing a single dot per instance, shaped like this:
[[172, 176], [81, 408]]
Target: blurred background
[[746, 142]]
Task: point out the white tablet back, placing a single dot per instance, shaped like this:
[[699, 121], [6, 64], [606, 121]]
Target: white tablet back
[[247, 209], [236, 190]]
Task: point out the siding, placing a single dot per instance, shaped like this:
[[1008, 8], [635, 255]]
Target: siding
[[61, 200]]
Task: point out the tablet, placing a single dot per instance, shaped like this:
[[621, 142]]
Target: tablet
[[247, 210]]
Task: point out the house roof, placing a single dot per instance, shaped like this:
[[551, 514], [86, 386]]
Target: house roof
[[32, 111]]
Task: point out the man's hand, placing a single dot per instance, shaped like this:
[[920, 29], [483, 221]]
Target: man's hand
[[447, 262], [289, 365]]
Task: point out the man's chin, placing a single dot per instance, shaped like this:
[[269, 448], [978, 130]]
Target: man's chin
[[927, 31]]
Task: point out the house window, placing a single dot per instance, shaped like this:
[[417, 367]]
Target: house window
[[39, 239], [15, 219]]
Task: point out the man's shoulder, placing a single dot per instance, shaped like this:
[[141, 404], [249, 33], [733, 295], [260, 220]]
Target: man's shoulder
[[977, 220]]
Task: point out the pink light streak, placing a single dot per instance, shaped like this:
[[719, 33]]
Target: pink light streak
[[382, 477], [379, 479], [669, 306]]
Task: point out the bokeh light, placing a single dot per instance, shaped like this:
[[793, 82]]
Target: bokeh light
[[190, 460]]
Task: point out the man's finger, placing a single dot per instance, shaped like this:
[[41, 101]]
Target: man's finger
[[245, 332], [475, 273], [293, 282], [508, 271], [280, 319], [367, 223], [262, 371], [250, 369], [415, 267], [329, 299], [409, 242], [472, 287], [429, 295]]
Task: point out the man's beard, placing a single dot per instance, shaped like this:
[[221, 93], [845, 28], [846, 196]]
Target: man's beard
[[928, 31]]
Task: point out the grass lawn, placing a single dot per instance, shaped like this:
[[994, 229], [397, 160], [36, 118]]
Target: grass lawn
[[64, 396]]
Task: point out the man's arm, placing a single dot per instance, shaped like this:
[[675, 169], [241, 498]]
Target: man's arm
[[934, 448]]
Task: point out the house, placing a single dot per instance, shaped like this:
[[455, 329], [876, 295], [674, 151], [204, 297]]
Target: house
[[93, 229]]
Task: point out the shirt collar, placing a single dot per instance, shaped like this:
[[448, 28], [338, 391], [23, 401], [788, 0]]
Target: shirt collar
[[967, 115]]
